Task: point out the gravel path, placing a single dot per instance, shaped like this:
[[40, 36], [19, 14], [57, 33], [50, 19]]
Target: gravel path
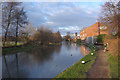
[[100, 68]]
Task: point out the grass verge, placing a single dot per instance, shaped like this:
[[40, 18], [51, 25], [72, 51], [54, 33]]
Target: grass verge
[[113, 66], [13, 44], [27, 47], [16, 49], [79, 70]]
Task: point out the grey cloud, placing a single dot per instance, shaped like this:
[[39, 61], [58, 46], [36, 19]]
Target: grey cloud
[[56, 15]]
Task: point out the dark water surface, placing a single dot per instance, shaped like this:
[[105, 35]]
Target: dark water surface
[[42, 62]]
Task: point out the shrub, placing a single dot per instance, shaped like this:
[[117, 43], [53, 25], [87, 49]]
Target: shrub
[[100, 38], [78, 40]]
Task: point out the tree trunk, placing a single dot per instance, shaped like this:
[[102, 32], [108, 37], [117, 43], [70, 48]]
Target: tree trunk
[[6, 34], [16, 33], [9, 17]]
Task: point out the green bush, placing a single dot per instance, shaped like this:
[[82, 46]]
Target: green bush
[[100, 38], [78, 40]]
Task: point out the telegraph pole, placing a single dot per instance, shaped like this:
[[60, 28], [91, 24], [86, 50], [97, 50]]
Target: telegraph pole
[[98, 28]]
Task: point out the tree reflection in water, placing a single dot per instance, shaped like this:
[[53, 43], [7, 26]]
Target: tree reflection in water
[[8, 73], [42, 62], [39, 55], [67, 44], [12, 68]]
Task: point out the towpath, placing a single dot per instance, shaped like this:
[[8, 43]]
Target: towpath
[[100, 68]]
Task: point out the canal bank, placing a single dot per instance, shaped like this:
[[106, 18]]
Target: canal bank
[[25, 47], [79, 70]]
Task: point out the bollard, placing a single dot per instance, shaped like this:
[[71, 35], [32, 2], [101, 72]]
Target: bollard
[[91, 53], [83, 62]]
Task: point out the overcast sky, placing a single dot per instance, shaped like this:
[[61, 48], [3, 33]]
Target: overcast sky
[[63, 16]]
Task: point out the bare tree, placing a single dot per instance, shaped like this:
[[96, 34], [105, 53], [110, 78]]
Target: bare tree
[[7, 10], [67, 37], [27, 32], [57, 37], [20, 19], [118, 7], [110, 16], [45, 36]]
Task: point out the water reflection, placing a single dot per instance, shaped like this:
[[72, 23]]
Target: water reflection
[[17, 65], [8, 73], [39, 55], [12, 67], [76, 46], [27, 58], [84, 50], [67, 44], [41, 62]]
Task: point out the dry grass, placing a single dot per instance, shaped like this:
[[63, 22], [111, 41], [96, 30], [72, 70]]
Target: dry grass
[[113, 44], [113, 48]]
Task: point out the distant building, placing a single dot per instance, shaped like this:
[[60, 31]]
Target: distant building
[[76, 34], [83, 34], [93, 30], [76, 37]]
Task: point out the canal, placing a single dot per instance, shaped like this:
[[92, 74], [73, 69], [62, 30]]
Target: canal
[[42, 62]]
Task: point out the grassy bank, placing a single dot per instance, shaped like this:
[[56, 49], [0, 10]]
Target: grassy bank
[[13, 44], [25, 47], [113, 58], [91, 46], [16, 49], [79, 70], [113, 66]]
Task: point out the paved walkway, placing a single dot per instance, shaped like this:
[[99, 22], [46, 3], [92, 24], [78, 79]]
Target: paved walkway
[[100, 68]]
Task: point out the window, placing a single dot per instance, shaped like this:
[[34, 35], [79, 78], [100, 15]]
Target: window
[[103, 27]]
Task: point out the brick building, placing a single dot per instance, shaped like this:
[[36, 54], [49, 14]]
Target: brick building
[[93, 30], [76, 37]]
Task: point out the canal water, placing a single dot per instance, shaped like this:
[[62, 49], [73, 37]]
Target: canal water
[[42, 62]]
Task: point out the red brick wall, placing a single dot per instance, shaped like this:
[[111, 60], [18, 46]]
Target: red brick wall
[[92, 31]]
